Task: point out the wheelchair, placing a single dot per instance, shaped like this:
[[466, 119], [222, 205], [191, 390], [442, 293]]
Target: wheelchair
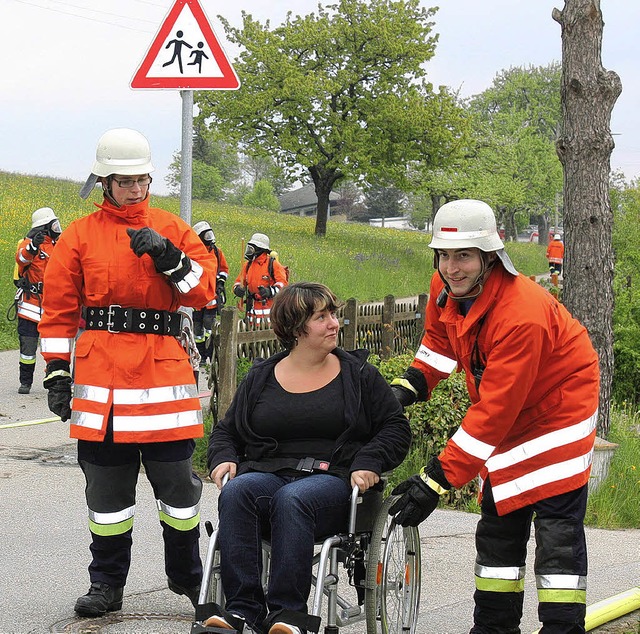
[[383, 569]]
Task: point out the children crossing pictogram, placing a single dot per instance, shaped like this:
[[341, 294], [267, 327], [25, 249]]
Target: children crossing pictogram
[[186, 54]]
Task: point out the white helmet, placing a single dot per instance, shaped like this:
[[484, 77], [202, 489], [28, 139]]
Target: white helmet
[[120, 151], [260, 240], [467, 223], [557, 237], [202, 227], [42, 216]]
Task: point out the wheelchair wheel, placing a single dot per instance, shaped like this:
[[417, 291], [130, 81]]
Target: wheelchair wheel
[[392, 593]]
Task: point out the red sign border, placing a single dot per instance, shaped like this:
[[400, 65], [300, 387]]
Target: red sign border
[[229, 79]]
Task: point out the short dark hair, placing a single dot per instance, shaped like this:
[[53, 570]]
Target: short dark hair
[[295, 304]]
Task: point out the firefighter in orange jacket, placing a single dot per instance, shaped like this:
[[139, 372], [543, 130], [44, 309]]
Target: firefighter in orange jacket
[[134, 399], [203, 319], [32, 258], [533, 379], [261, 277], [555, 254]]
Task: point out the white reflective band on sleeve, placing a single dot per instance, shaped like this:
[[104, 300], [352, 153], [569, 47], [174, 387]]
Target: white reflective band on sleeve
[[56, 345], [462, 235], [546, 475], [180, 513], [191, 279], [156, 422], [112, 518], [471, 445], [500, 572], [86, 419], [544, 443], [561, 582], [154, 395], [435, 360], [91, 393]]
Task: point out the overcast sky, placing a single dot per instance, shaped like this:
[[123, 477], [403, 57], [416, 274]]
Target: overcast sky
[[67, 65]]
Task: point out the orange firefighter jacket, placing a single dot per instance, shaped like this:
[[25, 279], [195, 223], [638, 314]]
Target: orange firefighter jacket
[[222, 274], [555, 252], [256, 273], [531, 426], [147, 379], [32, 268]]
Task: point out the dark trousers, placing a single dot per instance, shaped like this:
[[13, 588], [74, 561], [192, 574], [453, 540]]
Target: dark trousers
[[560, 564], [111, 474], [28, 337]]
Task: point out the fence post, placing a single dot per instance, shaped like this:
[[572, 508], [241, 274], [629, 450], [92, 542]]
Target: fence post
[[388, 333], [350, 324], [228, 358]]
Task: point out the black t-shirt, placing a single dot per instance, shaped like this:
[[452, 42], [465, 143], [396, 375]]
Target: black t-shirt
[[303, 424]]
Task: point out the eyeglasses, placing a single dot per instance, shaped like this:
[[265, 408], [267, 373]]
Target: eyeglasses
[[128, 183]]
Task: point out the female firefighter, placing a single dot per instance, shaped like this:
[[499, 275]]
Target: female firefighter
[[134, 399]]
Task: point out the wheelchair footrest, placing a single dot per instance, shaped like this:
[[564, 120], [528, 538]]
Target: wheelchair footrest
[[199, 628]]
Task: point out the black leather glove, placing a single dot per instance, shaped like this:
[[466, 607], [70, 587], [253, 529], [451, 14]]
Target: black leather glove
[[221, 295], [405, 396], [419, 495], [146, 240], [265, 292], [58, 384], [239, 291], [36, 241]]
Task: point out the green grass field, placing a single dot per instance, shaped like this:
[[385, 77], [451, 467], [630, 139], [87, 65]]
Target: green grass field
[[354, 260]]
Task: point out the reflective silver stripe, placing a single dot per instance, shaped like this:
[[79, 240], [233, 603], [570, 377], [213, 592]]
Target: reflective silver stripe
[[156, 422], [180, 513], [112, 518], [154, 394], [91, 393], [261, 312], [435, 360], [86, 419], [278, 286], [191, 279], [535, 447], [56, 345], [546, 475], [500, 572], [27, 358], [462, 235], [564, 582], [23, 259], [471, 445], [31, 311]]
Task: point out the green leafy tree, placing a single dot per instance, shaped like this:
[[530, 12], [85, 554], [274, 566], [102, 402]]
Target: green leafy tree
[[340, 93], [262, 196]]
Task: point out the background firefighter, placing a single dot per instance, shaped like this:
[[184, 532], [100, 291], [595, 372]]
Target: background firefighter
[[32, 258], [555, 254], [260, 279], [203, 319], [533, 379], [134, 400]]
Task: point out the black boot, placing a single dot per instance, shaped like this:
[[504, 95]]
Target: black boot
[[191, 593], [24, 389], [100, 599]]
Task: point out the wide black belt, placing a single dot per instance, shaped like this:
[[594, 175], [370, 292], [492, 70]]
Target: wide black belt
[[115, 318]]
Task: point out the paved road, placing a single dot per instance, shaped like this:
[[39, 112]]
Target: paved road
[[44, 553]]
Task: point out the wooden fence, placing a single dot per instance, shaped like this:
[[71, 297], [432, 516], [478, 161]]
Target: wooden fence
[[389, 327]]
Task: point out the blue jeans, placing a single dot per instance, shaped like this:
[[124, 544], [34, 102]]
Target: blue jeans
[[293, 513]]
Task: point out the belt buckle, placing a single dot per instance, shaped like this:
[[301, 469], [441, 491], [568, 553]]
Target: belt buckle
[[110, 314]]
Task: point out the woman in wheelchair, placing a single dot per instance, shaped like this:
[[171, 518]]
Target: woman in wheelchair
[[305, 427]]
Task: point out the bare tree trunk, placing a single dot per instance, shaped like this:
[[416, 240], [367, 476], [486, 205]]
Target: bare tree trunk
[[588, 94], [323, 179]]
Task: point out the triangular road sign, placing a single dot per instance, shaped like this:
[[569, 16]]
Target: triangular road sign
[[186, 54]]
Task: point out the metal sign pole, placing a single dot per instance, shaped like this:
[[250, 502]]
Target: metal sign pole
[[186, 158]]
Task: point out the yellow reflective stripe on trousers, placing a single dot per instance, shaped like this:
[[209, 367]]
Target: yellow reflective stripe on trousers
[[562, 596], [107, 524], [499, 585], [182, 519]]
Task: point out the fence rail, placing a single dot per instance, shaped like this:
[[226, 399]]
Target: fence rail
[[385, 328]]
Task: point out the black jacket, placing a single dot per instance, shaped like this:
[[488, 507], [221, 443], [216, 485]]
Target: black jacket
[[377, 434]]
